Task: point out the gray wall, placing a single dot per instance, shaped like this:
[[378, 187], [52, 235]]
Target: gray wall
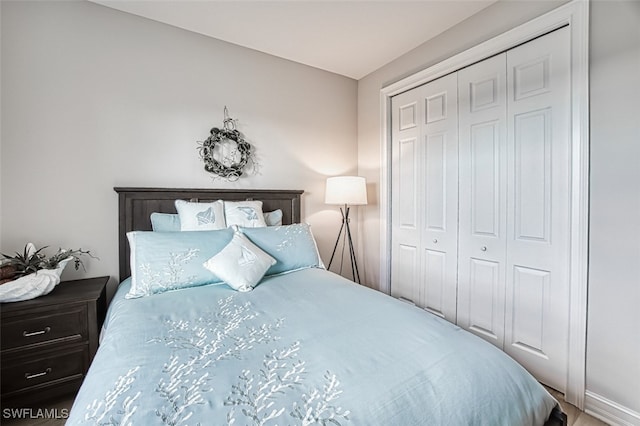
[[613, 337], [613, 346], [94, 98]]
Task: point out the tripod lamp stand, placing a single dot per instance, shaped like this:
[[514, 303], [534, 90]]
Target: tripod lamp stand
[[346, 191]]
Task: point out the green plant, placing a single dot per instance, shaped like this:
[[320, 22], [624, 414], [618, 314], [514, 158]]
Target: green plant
[[32, 260], [26, 262]]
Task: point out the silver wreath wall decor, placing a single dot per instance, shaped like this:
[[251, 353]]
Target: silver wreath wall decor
[[225, 152]]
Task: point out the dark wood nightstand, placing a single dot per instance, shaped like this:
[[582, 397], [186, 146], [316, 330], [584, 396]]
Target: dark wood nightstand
[[47, 343]]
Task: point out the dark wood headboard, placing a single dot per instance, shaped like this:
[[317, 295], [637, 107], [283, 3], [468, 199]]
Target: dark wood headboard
[[135, 206]]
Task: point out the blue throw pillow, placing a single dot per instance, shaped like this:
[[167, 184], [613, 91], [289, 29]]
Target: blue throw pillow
[[165, 222], [163, 261], [292, 246], [273, 218]]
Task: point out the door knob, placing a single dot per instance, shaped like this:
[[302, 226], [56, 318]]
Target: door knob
[[483, 248], [435, 240]]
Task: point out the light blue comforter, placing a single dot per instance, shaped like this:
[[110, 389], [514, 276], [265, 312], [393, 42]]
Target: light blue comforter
[[304, 348]]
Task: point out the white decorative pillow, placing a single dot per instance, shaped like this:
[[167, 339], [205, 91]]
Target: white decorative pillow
[[241, 264], [247, 214], [201, 216]]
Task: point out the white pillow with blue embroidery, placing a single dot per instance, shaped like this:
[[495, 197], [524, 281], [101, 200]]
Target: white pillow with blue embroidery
[[201, 216], [241, 264], [163, 261], [247, 214], [292, 246]]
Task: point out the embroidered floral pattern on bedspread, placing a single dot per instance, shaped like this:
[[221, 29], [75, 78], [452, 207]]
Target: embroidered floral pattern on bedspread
[[101, 412], [275, 392], [292, 234], [170, 277], [257, 393]]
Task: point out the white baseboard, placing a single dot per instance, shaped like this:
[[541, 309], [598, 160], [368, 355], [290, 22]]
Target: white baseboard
[[609, 412]]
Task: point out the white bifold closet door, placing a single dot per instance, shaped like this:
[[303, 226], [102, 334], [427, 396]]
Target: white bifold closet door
[[483, 198], [425, 193], [480, 223], [538, 200], [514, 203]]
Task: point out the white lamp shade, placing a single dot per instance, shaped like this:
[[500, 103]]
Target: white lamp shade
[[346, 190]]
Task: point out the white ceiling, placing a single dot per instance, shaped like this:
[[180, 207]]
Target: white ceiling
[[347, 37]]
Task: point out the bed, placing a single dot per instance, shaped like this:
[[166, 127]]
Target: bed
[[303, 347]]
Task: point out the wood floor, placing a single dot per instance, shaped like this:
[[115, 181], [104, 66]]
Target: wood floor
[[575, 417]]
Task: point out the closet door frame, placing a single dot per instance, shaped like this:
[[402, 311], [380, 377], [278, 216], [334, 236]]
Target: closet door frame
[[575, 15]]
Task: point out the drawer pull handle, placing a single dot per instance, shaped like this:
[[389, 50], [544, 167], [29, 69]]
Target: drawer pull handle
[[36, 333], [33, 376]]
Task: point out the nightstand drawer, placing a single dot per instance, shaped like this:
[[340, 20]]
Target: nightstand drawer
[[44, 326], [43, 368]]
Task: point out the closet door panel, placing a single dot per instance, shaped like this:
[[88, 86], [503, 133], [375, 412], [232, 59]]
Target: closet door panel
[[484, 176], [484, 314], [435, 275], [532, 180], [439, 188], [408, 181], [537, 287], [530, 294], [406, 284], [435, 181], [482, 198]]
